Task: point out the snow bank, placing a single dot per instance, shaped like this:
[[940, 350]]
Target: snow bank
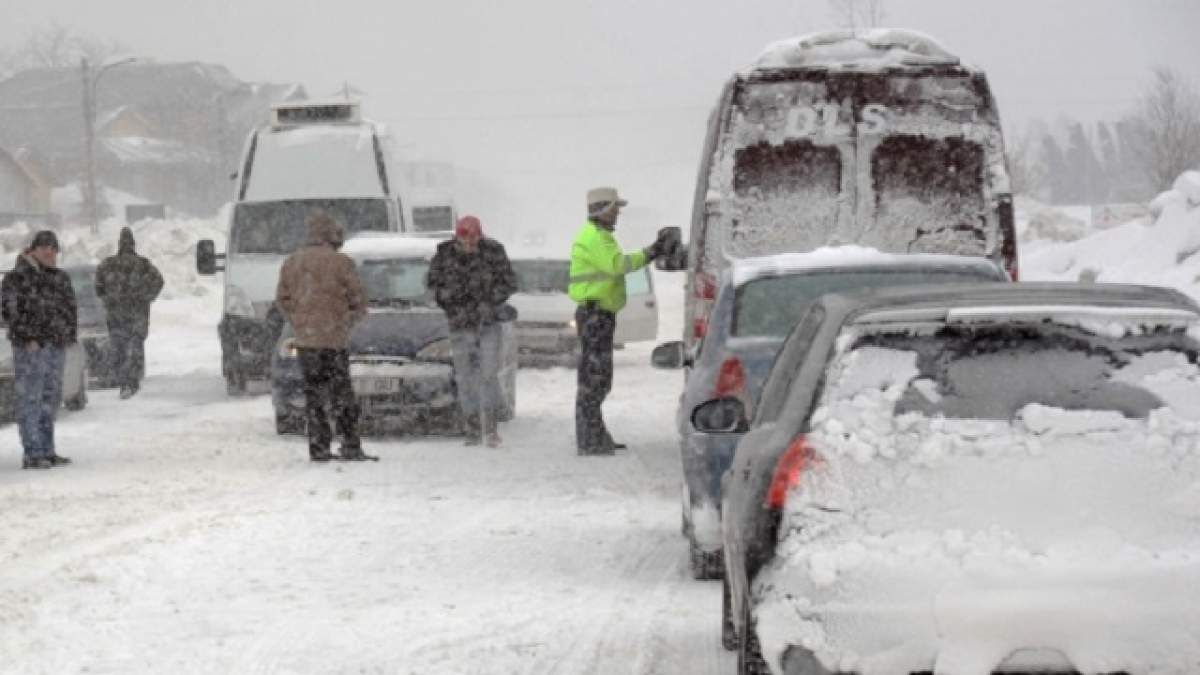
[[1162, 253], [748, 269], [918, 543]]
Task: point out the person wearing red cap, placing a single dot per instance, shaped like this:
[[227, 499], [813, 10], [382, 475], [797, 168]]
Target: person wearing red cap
[[471, 280]]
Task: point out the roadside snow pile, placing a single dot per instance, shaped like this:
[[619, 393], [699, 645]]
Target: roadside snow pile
[[169, 244], [929, 542], [1046, 223], [1160, 254]]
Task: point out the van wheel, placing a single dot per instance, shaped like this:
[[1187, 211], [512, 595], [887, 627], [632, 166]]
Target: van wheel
[[750, 660], [729, 638]]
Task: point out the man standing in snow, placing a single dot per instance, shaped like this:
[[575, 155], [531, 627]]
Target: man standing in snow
[[127, 283], [598, 269], [38, 304], [472, 279], [320, 294]]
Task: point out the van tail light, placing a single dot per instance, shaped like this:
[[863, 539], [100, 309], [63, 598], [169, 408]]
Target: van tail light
[[731, 378], [706, 287], [1013, 272], [791, 466], [699, 328]]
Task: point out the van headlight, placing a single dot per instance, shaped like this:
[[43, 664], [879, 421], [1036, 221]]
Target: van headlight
[[438, 350], [287, 348], [237, 303]]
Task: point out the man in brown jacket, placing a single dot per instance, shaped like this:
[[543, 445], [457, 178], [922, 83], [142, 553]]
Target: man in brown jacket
[[321, 295]]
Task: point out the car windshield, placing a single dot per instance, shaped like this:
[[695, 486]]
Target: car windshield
[[396, 281], [542, 276], [994, 372], [771, 306], [279, 228]]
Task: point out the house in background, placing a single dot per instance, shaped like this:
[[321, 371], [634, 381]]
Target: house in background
[[165, 132], [24, 190]]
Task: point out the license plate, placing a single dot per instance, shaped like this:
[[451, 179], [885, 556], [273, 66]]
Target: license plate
[[375, 386]]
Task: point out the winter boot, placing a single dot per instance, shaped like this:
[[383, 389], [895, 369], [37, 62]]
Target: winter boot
[[355, 453], [127, 391], [319, 454], [472, 430], [59, 460], [491, 437], [36, 463]]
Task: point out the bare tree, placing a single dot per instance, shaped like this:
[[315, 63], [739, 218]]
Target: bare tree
[[857, 14], [55, 46], [1166, 126], [1025, 172]]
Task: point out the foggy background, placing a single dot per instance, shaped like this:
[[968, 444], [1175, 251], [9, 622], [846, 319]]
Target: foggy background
[[533, 101]]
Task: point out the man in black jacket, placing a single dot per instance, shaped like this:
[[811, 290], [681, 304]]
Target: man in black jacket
[[38, 304], [127, 283], [472, 279]]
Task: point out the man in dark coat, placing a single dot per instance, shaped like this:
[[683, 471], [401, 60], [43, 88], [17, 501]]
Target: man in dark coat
[[320, 293], [472, 279], [38, 304], [127, 283]]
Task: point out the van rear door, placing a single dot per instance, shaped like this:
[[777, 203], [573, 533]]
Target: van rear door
[[638, 320]]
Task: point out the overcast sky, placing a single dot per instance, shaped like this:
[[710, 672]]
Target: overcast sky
[[567, 90]]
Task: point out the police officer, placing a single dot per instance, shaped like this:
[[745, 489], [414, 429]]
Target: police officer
[[597, 284]]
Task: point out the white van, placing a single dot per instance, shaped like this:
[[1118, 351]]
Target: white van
[[311, 155], [546, 315], [882, 139]]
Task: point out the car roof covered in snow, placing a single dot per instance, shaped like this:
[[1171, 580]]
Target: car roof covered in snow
[[998, 301], [868, 51], [388, 245], [744, 270]]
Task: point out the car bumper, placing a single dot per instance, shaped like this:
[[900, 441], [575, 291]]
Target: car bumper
[[403, 397], [706, 457]]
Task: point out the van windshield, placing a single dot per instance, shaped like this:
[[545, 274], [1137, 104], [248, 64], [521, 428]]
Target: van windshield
[[279, 228]]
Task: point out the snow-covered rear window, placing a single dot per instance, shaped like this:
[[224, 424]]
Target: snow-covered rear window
[[929, 193], [433, 218], [279, 228], [996, 372], [542, 276], [771, 306]]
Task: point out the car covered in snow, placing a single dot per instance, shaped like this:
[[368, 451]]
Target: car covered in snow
[[970, 479], [758, 301], [546, 314], [400, 359], [879, 138], [91, 328]]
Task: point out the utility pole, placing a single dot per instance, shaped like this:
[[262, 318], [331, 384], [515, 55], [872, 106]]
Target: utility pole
[[89, 146]]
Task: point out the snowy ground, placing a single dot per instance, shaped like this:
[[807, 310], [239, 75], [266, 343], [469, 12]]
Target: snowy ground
[[188, 537]]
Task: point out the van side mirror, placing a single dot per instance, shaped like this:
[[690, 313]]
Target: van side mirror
[[207, 257], [720, 416], [669, 355]]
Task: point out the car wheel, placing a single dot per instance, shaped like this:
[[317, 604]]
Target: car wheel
[[750, 660], [706, 565], [287, 423], [729, 639]]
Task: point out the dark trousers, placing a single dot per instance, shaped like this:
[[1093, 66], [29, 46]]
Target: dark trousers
[[128, 354], [595, 327], [327, 381]]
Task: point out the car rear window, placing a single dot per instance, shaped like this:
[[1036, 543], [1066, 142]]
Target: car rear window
[[997, 372], [771, 306]]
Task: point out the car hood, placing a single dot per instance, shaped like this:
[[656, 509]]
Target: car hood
[[398, 332]]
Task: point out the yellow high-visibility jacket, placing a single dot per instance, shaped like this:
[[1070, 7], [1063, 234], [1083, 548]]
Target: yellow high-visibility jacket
[[598, 268]]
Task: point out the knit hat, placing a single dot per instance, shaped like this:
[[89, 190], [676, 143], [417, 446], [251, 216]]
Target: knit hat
[[44, 238]]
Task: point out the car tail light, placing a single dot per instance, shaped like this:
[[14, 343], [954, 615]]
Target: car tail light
[[731, 378], [795, 460], [1013, 272]]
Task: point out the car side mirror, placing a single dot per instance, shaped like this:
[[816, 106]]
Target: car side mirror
[[720, 416], [669, 355], [207, 257]]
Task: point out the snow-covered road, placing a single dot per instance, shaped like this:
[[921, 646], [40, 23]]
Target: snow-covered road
[[188, 537]]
